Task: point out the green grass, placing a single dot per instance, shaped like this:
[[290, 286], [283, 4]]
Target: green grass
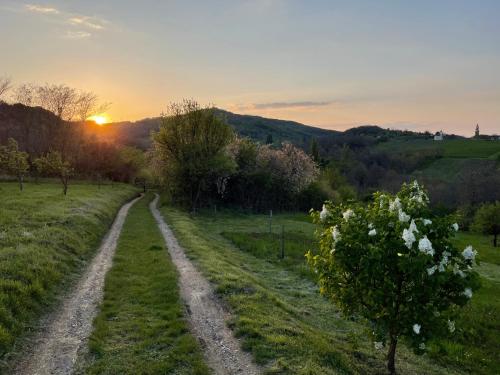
[[45, 240], [268, 246], [141, 327], [277, 312]]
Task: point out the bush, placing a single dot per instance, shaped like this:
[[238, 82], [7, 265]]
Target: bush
[[393, 262]]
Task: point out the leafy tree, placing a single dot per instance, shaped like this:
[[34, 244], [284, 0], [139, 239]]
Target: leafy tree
[[53, 164], [487, 220], [191, 146], [394, 264], [269, 139], [13, 161]]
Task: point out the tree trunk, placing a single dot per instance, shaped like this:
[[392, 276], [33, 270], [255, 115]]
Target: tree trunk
[[20, 179], [391, 355], [494, 239], [65, 185]]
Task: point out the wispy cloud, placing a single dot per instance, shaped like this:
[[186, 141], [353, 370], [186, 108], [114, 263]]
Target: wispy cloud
[[89, 22], [77, 35], [283, 105], [80, 26], [41, 9]]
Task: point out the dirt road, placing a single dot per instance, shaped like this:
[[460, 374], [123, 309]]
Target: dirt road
[[205, 313], [56, 348]]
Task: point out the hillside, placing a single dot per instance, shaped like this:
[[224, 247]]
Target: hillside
[[258, 128]]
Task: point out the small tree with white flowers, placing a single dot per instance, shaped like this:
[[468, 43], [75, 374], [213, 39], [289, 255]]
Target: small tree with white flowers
[[393, 263]]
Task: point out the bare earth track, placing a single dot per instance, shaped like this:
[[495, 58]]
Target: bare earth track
[[205, 313], [56, 349]]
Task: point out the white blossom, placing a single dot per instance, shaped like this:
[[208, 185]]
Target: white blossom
[[370, 225], [348, 214], [451, 326], [372, 232], [413, 226], [444, 261], [427, 221], [408, 237], [425, 246], [457, 270], [395, 205], [431, 270], [324, 213], [416, 328], [403, 217], [469, 253], [422, 346], [335, 234], [467, 292], [379, 345], [455, 227]]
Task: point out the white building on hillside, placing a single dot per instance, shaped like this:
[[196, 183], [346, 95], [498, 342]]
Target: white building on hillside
[[439, 136]]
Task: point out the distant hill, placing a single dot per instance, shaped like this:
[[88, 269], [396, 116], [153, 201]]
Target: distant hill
[[32, 127], [255, 127]]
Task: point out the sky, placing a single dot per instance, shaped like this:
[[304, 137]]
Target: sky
[[417, 65]]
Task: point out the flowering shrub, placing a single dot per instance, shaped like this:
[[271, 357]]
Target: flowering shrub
[[392, 262]]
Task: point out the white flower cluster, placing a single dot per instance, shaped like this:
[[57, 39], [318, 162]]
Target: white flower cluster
[[469, 253], [409, 234], [416, 328], [335, 234], [418, 196], [324, 213], [425, 246], [451, 326], [372, 232], [403, 216], [467, 292], [455, 227], [348, 214], [395, 205], [444, 261]]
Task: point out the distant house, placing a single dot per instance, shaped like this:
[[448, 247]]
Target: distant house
[[439, 136]]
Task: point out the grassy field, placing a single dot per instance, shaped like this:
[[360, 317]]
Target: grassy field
[[277, 310], [45, 240], [141, 327], [451, 148]]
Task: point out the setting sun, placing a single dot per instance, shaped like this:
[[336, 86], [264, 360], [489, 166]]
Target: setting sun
[[99, 119]]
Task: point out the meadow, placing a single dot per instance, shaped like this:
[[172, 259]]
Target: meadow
[[284, 322], [46, 240], [141, 328], [277, 310]]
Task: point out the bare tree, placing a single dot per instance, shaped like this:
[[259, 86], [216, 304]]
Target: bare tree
[[5, 85], [25, 94], [59, 99], [87, 104]]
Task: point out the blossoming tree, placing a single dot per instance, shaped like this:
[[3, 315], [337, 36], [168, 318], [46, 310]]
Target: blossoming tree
[[393, 263]]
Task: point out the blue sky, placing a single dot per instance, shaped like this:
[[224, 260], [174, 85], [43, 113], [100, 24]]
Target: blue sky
[[405, 64]]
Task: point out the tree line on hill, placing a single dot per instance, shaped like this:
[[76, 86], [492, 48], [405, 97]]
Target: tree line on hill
[[39, 130]]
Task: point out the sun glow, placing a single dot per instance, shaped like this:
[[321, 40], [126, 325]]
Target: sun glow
[[99, 119]]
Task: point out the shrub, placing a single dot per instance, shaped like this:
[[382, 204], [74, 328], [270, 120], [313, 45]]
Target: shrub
[[394, 264]]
